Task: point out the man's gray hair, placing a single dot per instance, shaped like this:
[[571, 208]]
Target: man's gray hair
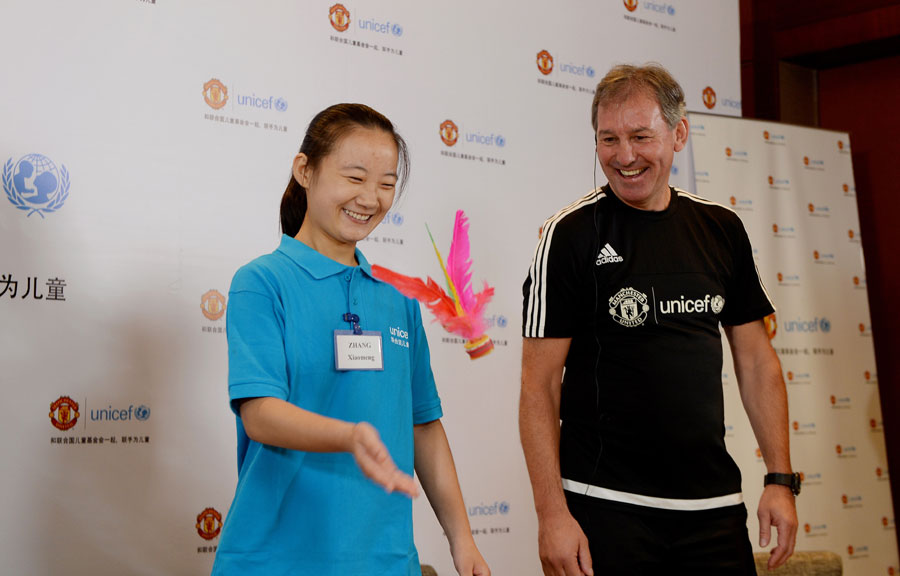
[[654, 80]]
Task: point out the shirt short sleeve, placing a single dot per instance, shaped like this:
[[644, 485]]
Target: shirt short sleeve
[[552, 290], [255, 331], [426, 403], [748, 299]]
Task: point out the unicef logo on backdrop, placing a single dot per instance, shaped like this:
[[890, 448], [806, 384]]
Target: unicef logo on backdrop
[[339, 17], [35, 184], [142, 413], [215, 94], [489, 509], [808, 326], [660, 8], [393, 219]]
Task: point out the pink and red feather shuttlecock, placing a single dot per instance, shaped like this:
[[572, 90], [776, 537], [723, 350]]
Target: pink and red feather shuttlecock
[[460, 312]]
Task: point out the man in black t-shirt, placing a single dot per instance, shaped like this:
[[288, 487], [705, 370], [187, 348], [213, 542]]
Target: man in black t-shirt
[[622, 308]]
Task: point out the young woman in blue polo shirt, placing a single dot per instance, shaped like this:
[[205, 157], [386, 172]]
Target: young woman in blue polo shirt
[[330, 379]]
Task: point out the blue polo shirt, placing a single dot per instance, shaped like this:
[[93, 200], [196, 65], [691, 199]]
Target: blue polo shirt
[[303, 512]]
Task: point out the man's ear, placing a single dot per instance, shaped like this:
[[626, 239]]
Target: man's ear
[[682, 129]]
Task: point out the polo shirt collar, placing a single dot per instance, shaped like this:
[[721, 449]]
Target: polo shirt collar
[[318, 265]]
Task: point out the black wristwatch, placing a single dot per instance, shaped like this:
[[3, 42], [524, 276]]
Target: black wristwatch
[[792, 481]]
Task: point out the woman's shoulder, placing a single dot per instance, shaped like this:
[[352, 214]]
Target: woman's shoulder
[[262, 274]]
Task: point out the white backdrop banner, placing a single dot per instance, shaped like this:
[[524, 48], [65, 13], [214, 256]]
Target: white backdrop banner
[[793, 188], [145, 148]]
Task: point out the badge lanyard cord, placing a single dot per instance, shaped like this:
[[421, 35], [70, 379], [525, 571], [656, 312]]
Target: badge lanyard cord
[[350, 317], [596, 336]]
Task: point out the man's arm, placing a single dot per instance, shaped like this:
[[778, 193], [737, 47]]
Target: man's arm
[[764, 396], [434, 465], [563, 546]]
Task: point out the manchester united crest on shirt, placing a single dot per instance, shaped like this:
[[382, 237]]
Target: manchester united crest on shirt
[[629, 307]]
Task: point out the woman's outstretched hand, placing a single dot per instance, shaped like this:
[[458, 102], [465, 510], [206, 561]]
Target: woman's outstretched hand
[[373, 459]]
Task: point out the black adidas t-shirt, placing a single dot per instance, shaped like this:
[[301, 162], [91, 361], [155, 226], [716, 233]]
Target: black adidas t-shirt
[[642, 295]]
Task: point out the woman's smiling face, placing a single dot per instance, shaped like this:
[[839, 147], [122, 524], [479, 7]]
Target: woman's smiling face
[[348, 193]]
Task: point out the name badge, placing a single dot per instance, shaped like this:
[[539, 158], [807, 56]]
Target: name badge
[[357, 351]]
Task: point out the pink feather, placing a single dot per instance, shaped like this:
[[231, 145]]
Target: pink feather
[[459, 262], [470, 325]]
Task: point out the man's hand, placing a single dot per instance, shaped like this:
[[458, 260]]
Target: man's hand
[[777, 509], [563, 546], [373, 459]]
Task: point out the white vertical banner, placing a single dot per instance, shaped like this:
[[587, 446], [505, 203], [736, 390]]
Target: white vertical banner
[[145, 148], [793, 188]]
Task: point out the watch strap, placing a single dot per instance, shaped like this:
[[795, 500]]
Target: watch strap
[[792, 481]]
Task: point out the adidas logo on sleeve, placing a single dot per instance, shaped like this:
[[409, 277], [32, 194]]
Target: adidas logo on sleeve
[[608, 256]]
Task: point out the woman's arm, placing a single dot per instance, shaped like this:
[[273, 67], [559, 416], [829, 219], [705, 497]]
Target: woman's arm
[[275, 422], [434, 465]]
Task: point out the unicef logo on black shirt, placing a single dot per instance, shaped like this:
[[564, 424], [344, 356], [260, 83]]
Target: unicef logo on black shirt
[[35, 184]]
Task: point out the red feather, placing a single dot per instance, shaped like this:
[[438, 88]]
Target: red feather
[[470, 326]]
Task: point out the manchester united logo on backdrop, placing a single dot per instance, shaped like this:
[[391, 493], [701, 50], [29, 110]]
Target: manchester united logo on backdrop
[[806, 160], [449, 132], [544, 62], [709, 97], [840, 144], [629, 307], [631, 5], [215, 93], [771, 325], [339, 17], [64, 413], [213, 305], [209, 523], [766, 134], [728, 152]]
